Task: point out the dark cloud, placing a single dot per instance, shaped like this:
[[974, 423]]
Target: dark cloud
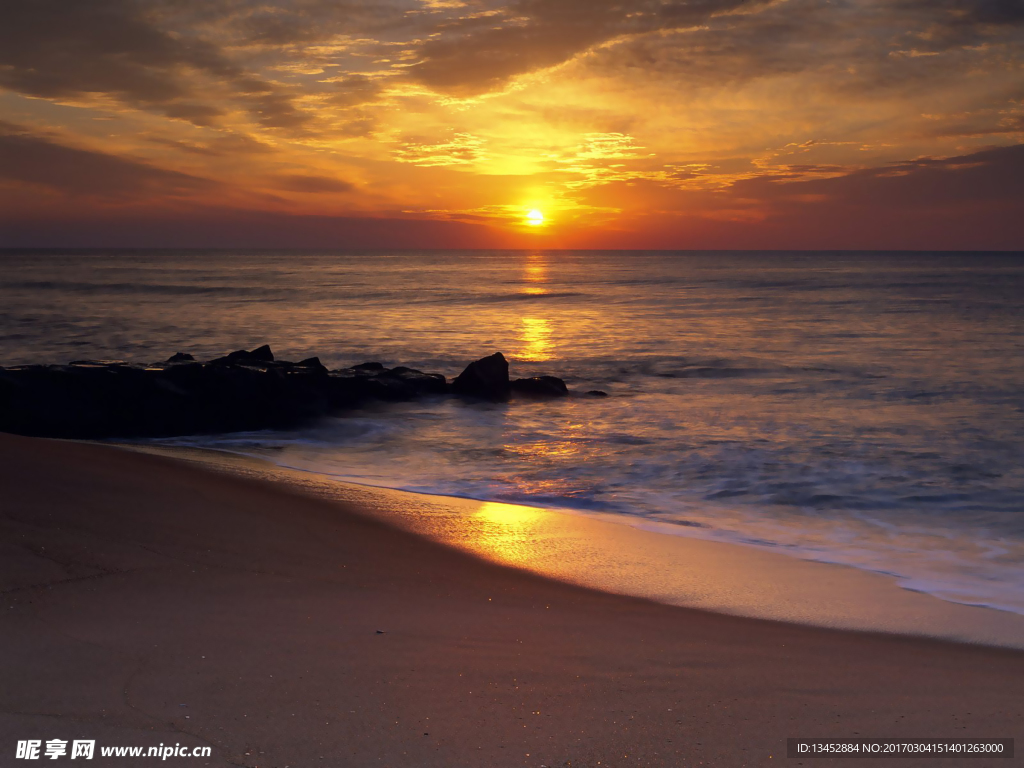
[[354, 90], [194, 59], [481, 52], [968, 202], [970, 12], [223, 228], [314, 184], [807, 169], [53, 48], [874, 43], [219, 146], [965, 202], [287, 23], [937, 26], [185, 146], [990, 176], [855, 47], [788, 39], [57, 49], [971, 202], [197, 114], [1008, 124], [32, 159], [277, 110]]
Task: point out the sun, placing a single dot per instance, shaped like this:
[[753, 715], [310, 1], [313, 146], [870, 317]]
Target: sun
[[534, 218]]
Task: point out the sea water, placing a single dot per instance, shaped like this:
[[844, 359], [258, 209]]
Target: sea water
[[856, 408]]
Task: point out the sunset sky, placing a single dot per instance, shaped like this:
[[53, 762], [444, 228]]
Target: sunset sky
[[445, 123]]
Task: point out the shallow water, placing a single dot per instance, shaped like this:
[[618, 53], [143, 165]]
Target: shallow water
[[866, 409]]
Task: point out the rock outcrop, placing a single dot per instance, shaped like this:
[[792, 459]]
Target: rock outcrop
[[244, 390], [540, 386], [486, 378]]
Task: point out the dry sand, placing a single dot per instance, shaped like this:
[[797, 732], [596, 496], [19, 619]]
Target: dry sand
[[147, 601]]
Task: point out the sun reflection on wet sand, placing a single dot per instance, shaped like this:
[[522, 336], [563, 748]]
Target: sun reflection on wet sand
[[504, 521], [506, 532]]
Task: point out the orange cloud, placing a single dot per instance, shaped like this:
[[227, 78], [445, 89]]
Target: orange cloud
[[659, 123]]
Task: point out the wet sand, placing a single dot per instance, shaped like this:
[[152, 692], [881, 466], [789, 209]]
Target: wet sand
[[150, 601]]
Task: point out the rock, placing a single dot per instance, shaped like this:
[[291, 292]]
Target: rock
[[313, 364], [98, 363], [540, 386], [262, 353], [486, 378], [258, 355], [242, 391], [422, 383], [597, 393]]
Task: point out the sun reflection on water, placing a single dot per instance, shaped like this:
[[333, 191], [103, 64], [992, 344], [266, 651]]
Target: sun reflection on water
[[544, 451], [536, 273], [535, 337], [535, 333]]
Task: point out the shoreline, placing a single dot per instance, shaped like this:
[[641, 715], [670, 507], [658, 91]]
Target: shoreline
[[152, 601], [629, 558]]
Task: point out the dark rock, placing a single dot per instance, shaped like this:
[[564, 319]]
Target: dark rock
[[422, 383], [180, 357], [313, 364], [347, 390], [486, 378], [393, 389], [246, 390], [258, 355], [597, 393], [540, 386], [262, 353], [97, 363]]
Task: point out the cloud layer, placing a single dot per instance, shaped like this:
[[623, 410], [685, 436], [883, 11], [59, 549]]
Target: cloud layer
[[656, 119]]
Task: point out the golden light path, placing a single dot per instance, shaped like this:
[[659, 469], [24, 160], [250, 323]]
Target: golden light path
[[535, 333], [535, 337], [536, 274]]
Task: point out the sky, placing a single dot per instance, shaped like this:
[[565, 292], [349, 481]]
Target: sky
[[668, 124]]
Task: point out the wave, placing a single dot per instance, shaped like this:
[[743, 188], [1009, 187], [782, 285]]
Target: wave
[[147, 288], [983, 574], [500, 298]]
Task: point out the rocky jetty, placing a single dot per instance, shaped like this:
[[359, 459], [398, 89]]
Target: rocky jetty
[[244, 390]]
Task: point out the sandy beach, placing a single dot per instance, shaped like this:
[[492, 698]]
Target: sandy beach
[[511, 383], [148, 601]]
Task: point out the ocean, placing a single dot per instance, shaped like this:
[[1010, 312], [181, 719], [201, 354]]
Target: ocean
[[857, 408]]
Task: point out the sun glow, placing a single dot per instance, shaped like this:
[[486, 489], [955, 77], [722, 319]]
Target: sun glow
[[534, 218]]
